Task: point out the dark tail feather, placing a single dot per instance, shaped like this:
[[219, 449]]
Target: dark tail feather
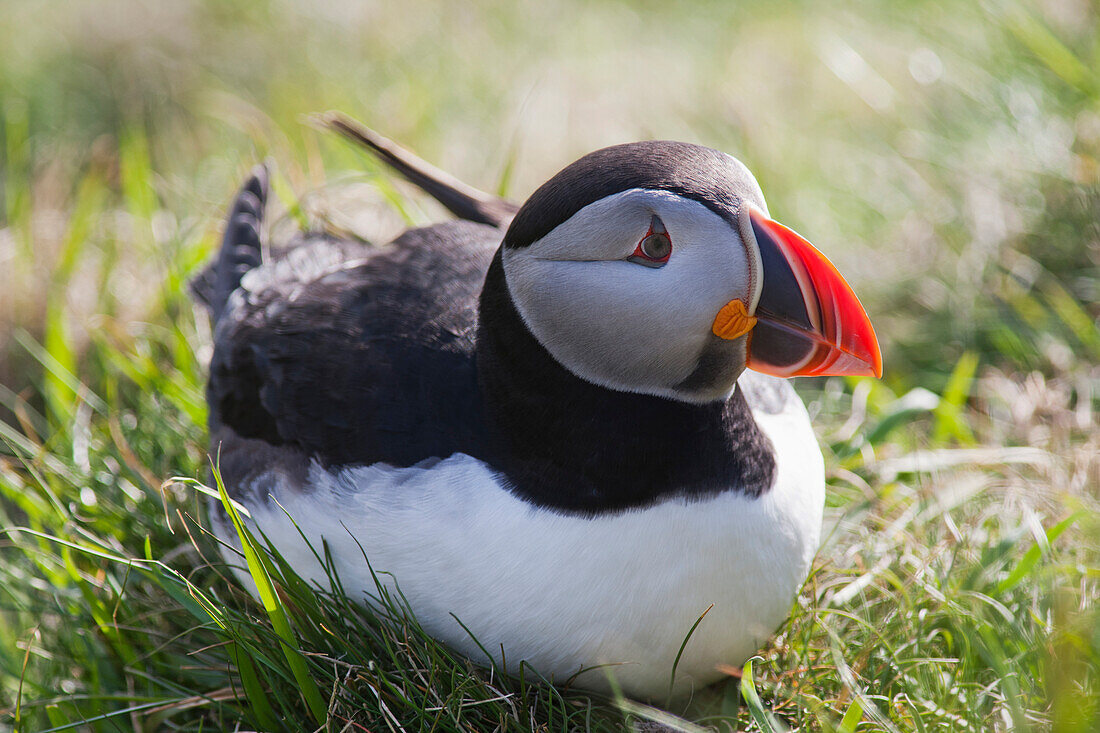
[[462, 200], [241, 248]]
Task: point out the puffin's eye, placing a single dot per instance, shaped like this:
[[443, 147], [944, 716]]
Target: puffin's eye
[[655, 247]]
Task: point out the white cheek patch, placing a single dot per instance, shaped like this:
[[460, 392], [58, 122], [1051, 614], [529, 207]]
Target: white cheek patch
[[608, 229], [620, 324]]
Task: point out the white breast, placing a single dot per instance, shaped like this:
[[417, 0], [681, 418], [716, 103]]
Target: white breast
[[564, 592]]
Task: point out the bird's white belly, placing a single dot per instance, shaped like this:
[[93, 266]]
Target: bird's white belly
[[563, 592]]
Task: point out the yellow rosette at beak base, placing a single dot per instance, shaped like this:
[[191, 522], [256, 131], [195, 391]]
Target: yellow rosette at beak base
[[733, 321]]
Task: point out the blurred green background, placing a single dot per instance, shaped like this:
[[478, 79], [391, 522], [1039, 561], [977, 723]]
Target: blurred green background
[[945, 154]]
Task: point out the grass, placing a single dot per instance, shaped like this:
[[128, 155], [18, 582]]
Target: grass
[[945, 154]]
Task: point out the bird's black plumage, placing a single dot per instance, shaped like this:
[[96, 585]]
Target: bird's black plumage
[[367, 361], [570, 444], [350, 355], [708, 176]]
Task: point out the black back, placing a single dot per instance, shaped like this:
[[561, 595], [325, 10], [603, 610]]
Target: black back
[[372, 362]]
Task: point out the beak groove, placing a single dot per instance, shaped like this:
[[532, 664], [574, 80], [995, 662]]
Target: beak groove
[[809, 322]]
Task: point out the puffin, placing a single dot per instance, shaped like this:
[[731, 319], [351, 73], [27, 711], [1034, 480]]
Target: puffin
[[563, 431]]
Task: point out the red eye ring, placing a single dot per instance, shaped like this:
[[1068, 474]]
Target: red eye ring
[[655, 247]]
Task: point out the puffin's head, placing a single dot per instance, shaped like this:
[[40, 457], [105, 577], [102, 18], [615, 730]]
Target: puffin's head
[[653, 267]]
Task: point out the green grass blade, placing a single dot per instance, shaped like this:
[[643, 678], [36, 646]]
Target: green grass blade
[[683, 645], [60, 370], [276, 613], [760, 715], [136, 172], [504, 184], [665, 720], [1074, 315], [16, 174], [949, 414], [851, 718], [1031, 558], [1054, 54], [254, 689], [730, 707]]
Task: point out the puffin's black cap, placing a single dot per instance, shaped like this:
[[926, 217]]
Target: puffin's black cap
[[708, 176]]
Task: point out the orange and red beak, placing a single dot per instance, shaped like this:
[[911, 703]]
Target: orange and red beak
[[808, 322]]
